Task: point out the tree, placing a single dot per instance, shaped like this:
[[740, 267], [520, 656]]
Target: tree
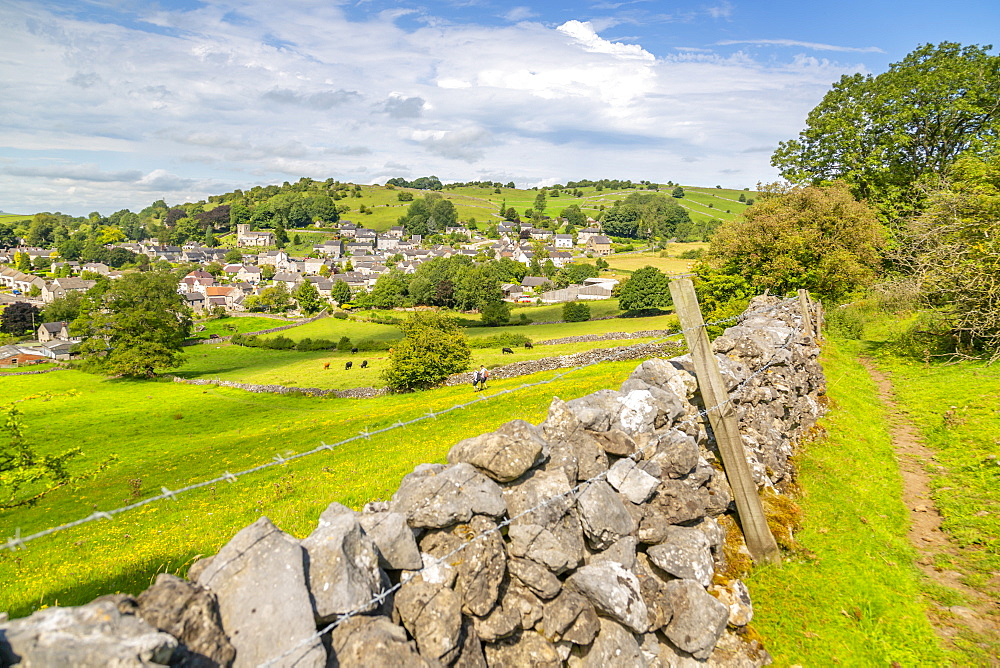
[[574, 216], [63, 309], [882, 134], [274, 299], [645, 289], [20, 318], [22, 261], [432, 349], [495, 313], [954, 255], [340, 292], [7, 237], [233, 256], [134, 325], [677, 192], [308, 298], [539, 205], [576, 311], [818, 238]]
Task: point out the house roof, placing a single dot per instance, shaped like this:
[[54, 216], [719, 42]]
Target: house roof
[[53, 327]]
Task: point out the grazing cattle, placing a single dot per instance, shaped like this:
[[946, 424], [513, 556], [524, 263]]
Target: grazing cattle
[[527, 344], [364, 364], [348, 365], [506, 351], [354, 350], [326, 366]]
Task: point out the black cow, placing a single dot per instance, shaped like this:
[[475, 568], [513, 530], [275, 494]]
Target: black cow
[[527, 345], [506, 351], [354, 350], [364, 364], [348, 366]]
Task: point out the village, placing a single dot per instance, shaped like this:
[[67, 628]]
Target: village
[[356, 255]]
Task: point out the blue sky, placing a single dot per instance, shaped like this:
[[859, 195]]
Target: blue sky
[[113, 104]]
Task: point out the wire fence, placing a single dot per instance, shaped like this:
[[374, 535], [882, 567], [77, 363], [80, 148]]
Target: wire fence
[[17, 541], [381, 596]]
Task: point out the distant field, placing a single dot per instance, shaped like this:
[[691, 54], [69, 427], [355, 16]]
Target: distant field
[[623, 264], [12, 217]]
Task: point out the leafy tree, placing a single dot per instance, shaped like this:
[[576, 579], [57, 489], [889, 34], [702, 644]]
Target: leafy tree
[[134, 325], [267, 272], [495, 313], [404, 196], [576, 311], [574, 216], [274, 299], [433, 348], [539, 204], [233, 256], [743, 198], [882, 134], [7, 237], [308, 298], [818, 238], [325, 271], [340, 292], [677, 192], [954, 255], [645, 289], [22, 261], [20, 318], [389, 291]]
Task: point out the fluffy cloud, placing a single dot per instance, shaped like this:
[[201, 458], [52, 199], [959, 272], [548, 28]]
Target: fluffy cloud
[[186, 103]]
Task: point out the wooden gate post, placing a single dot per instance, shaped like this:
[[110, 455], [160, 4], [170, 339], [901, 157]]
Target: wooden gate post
[[758, 536], [804, 307]]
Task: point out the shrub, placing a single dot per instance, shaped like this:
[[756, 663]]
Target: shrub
[[576, 311], [306, 345], [344, 345], [502, 340], [340, 315], [432, 349]]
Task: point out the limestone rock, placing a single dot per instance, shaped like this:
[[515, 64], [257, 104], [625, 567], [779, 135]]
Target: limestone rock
[[357, 640], [259, 580], [676, 453], [523, 649], [622, 552], [436, 496], [614, 646], [502, 621], [397, 548], [735, 596], [668, 377], [535, 577], [595, 410], [504, 454], [684, 553], [480, 565], [561, 615], [602, 514], [638, 412], [652, 586], [615, 442], [551, 533], [190, 614], [591, 459], [433, 616], [614, 591], [471, 653], [699, 618], [341, 566], [91, 636], [519, 598], [632, 481], [673, 503]]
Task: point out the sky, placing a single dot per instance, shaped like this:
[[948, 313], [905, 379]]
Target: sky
[[112, 104]]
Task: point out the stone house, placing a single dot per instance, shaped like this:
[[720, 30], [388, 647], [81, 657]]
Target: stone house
[[599, 245], [51, 331]]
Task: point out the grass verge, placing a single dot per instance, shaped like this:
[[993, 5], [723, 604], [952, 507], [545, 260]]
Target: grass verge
[[853, 596]]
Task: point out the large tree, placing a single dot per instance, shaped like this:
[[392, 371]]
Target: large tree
[[20, 318], [816, 237], [883, 133], [433, 348], [645, 289], [134, 325]]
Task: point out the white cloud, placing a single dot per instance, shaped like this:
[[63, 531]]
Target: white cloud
[[805, 45], [233, 94]]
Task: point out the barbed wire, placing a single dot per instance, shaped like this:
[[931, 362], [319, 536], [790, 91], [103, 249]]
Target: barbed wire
[[17, 541], [437, 561]]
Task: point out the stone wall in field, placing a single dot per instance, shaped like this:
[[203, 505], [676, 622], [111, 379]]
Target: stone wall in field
[[604, 536]]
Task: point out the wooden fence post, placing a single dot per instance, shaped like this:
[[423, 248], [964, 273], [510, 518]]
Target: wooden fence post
[[804, 307], [758, 536]]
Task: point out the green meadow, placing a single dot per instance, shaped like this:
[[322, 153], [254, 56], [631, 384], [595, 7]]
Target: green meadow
[[150, 435]]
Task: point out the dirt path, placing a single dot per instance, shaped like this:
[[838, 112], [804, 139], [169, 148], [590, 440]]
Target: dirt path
[[977, 620]]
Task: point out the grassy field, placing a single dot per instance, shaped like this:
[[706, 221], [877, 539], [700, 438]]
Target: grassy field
[[623, 264], [221, 326], [167, 434], [853, 596]]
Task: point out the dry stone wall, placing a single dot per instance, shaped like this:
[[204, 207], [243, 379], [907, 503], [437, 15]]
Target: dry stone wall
[[597, 538]]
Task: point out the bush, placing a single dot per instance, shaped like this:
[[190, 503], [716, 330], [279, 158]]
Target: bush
[[340, 315], [576, 311], [692, 254], [374, 344], [502, 340], [432, 349], [344, 345], [496, 313], [306, 345]]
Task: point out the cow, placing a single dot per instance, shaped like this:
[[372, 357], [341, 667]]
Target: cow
[[528, 346], [348, 366], [354, 350], [364, 364], [326, 366], [506, 351]]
